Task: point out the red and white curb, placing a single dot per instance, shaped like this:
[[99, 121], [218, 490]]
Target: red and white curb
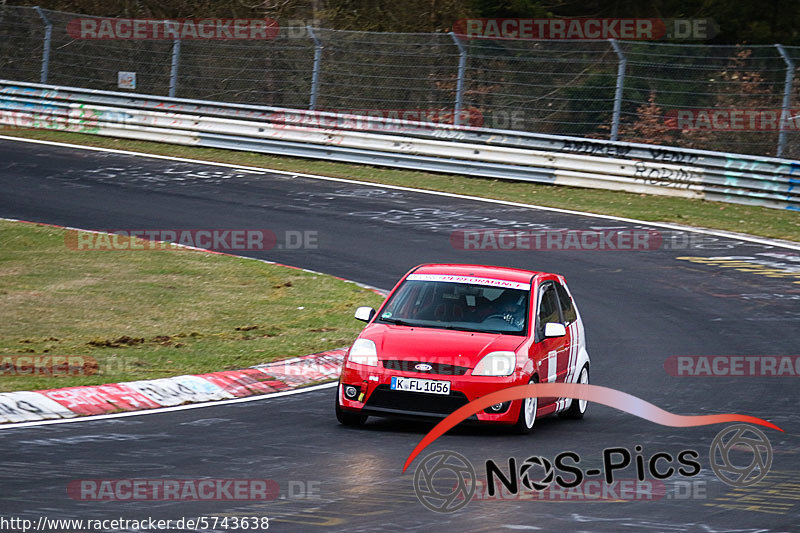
[[72, 402], [97, 400]]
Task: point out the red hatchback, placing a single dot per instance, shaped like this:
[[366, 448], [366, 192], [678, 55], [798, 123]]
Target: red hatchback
[[448, 334]]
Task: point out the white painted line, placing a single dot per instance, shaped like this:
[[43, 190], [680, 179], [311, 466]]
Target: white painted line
[[717, 233], [253, 171], [169, 409]]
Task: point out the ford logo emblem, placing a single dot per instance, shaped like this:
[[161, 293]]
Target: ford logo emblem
[[423, 367]]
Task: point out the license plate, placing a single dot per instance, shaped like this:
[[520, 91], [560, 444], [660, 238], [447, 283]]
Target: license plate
[[429, 386]]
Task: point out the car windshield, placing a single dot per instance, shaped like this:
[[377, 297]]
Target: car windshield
[[499, 307]]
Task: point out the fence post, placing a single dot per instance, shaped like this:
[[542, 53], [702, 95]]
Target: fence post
[[48, 34], [462, 68], [315, 72], [618, 93], [787, 97], [173, 71]]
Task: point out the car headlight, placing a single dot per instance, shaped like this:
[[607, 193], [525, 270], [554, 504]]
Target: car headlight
[[364, 352], [496, 364]]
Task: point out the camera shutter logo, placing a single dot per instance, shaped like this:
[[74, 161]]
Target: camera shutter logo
[[445, 496], [525, 473], [740, 437]]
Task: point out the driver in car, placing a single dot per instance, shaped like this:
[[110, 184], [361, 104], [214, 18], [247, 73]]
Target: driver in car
[[513, 313], [511, 308]]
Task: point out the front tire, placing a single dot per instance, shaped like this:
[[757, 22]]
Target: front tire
[[578, 407], [346, 418], [527, 413]]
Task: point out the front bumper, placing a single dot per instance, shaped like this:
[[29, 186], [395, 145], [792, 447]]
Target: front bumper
[[375, 397]]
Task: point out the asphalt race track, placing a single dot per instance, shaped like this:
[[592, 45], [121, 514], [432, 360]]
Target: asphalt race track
[[639, 308]]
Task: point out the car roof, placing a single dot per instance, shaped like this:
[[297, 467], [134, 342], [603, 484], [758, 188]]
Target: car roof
[[480, 271]]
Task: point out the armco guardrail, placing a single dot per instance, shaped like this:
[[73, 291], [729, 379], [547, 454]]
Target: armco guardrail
[[579, 162]]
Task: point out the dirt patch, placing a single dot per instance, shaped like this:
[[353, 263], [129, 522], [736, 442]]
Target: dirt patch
[[116, 343]]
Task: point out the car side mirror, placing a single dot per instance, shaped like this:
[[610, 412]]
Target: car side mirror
[[554, 329], [365, 313]]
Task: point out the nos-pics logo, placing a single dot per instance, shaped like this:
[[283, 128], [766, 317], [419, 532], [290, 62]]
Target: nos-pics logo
[[445, 481]]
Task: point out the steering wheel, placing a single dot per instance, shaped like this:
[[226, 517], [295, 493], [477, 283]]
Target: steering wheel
[[508, 319], [501, 316]]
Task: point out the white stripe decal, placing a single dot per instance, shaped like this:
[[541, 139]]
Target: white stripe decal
[[552, 366], [573, 350]]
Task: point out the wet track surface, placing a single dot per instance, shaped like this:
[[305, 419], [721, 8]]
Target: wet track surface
[[639, 308]]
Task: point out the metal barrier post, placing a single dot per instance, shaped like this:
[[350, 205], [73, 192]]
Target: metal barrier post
[[462, 68], [48, 33], [173, 71], [787, 97], [315, 73], [618, 93]]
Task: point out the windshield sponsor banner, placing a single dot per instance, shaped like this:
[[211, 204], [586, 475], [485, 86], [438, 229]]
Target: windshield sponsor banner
[[471, 280]]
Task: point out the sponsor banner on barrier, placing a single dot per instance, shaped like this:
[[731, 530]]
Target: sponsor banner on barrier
[[24, 406], [101, 399]]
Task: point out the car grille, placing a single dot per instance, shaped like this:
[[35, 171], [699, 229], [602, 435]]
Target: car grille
[[383, 398], [436, 368]]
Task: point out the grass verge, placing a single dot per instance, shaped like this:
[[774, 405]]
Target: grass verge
[[731, 217], [159, 313]]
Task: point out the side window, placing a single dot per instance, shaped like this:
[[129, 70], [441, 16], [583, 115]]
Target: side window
[[548, 308], [567, 308]]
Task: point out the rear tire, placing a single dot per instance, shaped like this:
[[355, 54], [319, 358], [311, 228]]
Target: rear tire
[[578, 407], [346, 418], [527, 413]]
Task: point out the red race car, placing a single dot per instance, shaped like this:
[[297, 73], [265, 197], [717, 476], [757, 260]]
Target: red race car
[[448, 334]]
